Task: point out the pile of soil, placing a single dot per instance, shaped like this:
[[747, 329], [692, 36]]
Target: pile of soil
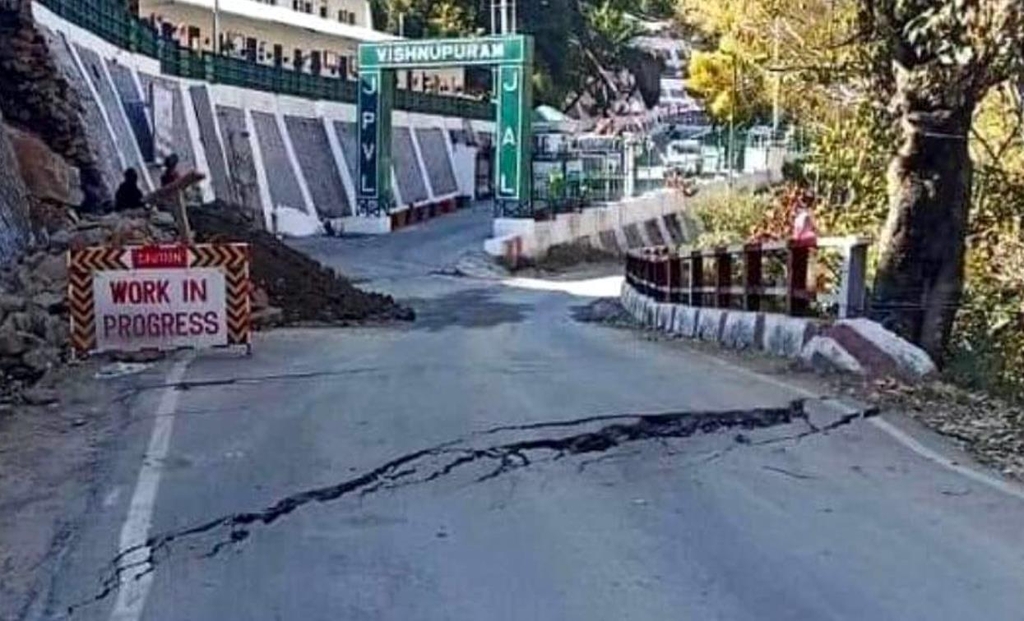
[[304, 290], [563, 257]]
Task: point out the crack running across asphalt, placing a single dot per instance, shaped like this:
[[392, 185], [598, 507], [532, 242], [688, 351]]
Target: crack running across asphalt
[[441, 460]]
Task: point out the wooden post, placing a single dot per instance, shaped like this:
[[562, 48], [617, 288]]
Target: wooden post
[[696, 278], [723, 277], [752, 281], [798, 302], [172, 196], [675, 274]]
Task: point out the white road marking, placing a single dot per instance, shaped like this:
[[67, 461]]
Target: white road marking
[[908, 441], [901, 437], [134, 587]]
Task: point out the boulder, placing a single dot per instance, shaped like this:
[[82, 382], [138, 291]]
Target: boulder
[[60, 240], [41, 359], [10, 303], [47, 176], [49, 301], [53, 268], [11, 343]]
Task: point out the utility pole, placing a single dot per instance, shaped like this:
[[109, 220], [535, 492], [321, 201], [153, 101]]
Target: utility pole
[[732, 116], [216, 27], [777, 86]]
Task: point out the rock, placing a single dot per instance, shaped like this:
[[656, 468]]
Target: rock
[[10, 303], [268, 317], [49, 301], [11, 344], [92, 236], [53, 268], [46, 175], [33, 260], [58, 333], [163, 219], [39, 396], [60, 240], [41, 359]]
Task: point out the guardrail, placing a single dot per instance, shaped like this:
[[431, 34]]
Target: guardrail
[[826, 276], [113, 22]]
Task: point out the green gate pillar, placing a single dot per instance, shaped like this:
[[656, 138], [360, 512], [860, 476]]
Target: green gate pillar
[[513, 140], [373, 124]]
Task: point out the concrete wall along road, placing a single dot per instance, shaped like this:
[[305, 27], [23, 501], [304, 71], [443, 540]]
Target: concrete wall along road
[[858, 346], [627, 224]]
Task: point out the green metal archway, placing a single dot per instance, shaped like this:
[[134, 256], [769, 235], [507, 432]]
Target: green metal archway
[[513, 57]]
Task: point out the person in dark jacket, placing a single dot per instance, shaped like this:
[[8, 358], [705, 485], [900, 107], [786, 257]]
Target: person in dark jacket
[[128, 195]]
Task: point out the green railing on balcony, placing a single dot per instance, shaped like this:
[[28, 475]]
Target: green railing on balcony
[[111, 21]]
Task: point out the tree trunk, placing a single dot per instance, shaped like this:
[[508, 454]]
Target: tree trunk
[[920, 274]]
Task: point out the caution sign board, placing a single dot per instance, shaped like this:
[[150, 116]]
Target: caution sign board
[[159, 297]]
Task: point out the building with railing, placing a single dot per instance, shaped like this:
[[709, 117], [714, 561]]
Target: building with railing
[[115, 23], [318, 37]]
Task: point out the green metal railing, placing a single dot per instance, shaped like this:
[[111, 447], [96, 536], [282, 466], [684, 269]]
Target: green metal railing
[[111, 21]]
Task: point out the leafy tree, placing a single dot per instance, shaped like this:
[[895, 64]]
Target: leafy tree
[[728, 87], [935, 62], [800, 43]]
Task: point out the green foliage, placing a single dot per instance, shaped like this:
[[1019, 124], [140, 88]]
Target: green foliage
[[846, 166], [729, 88], [728, 219], [987, 348]]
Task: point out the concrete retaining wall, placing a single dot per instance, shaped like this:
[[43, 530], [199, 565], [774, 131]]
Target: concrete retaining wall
[[612, 228], [855, 346], [267, 143]]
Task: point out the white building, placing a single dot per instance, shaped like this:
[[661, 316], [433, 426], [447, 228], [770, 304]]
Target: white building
[[314, 36]]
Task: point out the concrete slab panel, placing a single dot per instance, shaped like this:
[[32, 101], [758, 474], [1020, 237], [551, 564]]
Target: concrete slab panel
[[284, 187], [317, 164], [100, 142], [675, 230], [633, 237], [436, 160], [123, 135], [243, 179], [222, 188], [407, 169], [653, 232], [134, 106]]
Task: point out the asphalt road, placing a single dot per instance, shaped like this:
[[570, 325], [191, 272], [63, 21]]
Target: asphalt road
[[415, 473]]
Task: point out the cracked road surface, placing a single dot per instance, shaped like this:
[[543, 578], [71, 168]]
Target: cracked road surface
[[498, 460]]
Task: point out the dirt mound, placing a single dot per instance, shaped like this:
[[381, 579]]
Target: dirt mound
[[303, 290]]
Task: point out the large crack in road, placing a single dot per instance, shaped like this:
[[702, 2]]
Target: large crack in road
[[430, 464]]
